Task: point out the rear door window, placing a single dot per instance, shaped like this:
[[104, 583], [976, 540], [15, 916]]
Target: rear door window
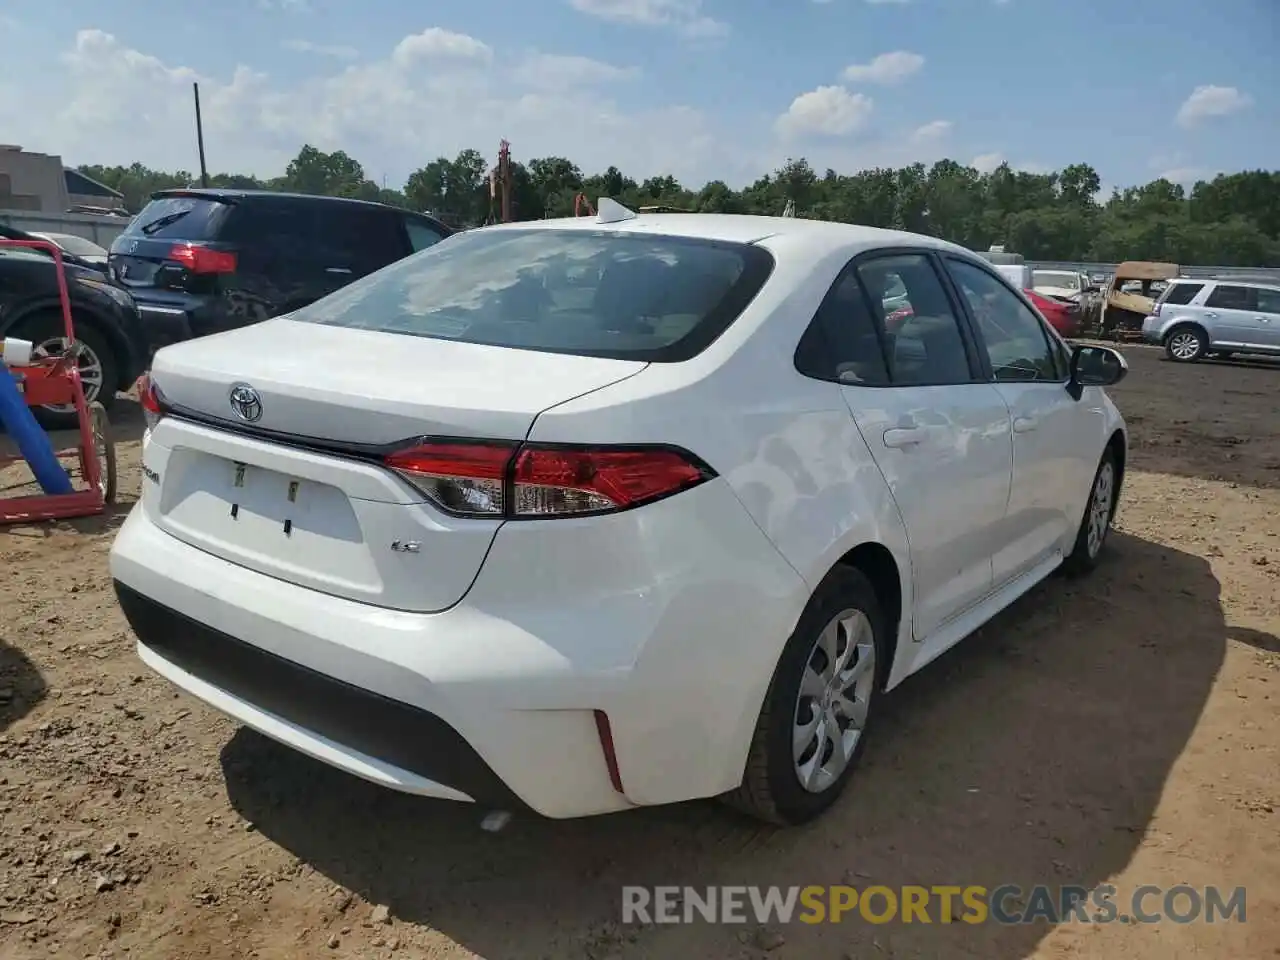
[[275, 228], [180, 218], [844, 342], [1180, 294], [924, 344], [592, 293], [356, 236], [1228, 296]]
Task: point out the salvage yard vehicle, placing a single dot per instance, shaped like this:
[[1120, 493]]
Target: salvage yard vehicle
[[1222, 316], [471, 532], [1063, 284], [110, 351], [1130, 296], [203, 260]]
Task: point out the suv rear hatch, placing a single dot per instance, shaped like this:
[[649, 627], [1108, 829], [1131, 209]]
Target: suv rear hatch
[[172, 245], [304, 491]]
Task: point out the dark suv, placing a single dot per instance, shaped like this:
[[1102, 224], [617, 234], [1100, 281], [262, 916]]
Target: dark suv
[[201, 261], [107, 324]]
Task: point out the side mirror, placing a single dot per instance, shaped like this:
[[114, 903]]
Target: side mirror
[[1093, 366]]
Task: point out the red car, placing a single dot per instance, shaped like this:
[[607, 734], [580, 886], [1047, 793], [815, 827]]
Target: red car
[[1063, 317]]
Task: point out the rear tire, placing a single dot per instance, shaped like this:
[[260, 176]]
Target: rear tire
[[829, 675], [1098, 514], [1186, 344]]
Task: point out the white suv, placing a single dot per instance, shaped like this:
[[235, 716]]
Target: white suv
[[585, 515]]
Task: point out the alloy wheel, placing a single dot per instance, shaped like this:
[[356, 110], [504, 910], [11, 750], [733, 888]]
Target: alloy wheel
[[1100, 508], [835, 692]]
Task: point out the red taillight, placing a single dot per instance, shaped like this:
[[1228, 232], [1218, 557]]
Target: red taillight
[[150, 399], [566, 480], [198, 259], [483, 479]]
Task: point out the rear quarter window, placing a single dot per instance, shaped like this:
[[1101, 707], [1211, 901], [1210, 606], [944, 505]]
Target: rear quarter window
[[592, 293], [179, 218]]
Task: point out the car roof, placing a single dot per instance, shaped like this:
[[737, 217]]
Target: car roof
[[230, 193], [746, 228], [1243, 280]]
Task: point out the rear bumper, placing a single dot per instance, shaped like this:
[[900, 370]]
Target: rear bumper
[[163, 325], [495, 699], [283, 699], [1153, 330]]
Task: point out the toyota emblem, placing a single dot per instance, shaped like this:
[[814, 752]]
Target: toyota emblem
[[246, 402]]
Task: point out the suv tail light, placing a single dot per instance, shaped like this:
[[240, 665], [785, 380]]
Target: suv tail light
[[198, 259], [150, 399], [532, 481]]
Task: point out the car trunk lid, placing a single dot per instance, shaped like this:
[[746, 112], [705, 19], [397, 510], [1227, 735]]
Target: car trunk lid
[[299, 491]]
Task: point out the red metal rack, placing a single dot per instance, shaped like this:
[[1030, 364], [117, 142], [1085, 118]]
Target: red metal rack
[[56, 380]]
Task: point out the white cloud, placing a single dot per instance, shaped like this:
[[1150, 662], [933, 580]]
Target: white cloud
[[434, 93], [986, 162], [1187, 176], [830, 111], [549, 71], [1211, 101], [933, 131], [683, 16], [887, 68], [434, 43], [338, 52]]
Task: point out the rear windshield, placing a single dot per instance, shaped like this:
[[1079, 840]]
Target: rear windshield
[[179, 218], [592, 293], [1054, 278], [1180, 294]]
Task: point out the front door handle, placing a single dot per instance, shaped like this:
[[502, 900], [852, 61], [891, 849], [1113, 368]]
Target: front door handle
[[1211, 316], [903, 437], [1263, 319], [1024, 424]]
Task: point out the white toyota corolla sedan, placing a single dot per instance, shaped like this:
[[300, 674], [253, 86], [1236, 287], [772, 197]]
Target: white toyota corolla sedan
[[583, 515]]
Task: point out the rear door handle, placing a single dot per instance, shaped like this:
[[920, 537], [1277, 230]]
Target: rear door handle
[[904, 437], [1024, 424], [1263, 319], [343, 270], [1211, 316]]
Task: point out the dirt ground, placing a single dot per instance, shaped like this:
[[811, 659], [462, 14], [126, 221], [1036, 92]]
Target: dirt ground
[[1120, 729]]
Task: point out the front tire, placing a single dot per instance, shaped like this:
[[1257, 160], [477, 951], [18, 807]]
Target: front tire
[[1186, 344], [99, 368], [813, 725], [1098, 514]]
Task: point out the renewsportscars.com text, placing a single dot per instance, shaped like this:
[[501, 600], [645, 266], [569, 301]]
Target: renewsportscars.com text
[[972, 904]]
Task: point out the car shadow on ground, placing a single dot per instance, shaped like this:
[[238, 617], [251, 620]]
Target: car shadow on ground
[[1033, 753], [21, 685]]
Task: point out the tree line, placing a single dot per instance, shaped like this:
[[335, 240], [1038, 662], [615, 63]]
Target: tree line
[[1231, 220]]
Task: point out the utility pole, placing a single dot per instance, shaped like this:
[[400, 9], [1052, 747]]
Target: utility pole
[[204, 172]]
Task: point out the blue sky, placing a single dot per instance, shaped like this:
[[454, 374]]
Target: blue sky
[[697, 88]]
